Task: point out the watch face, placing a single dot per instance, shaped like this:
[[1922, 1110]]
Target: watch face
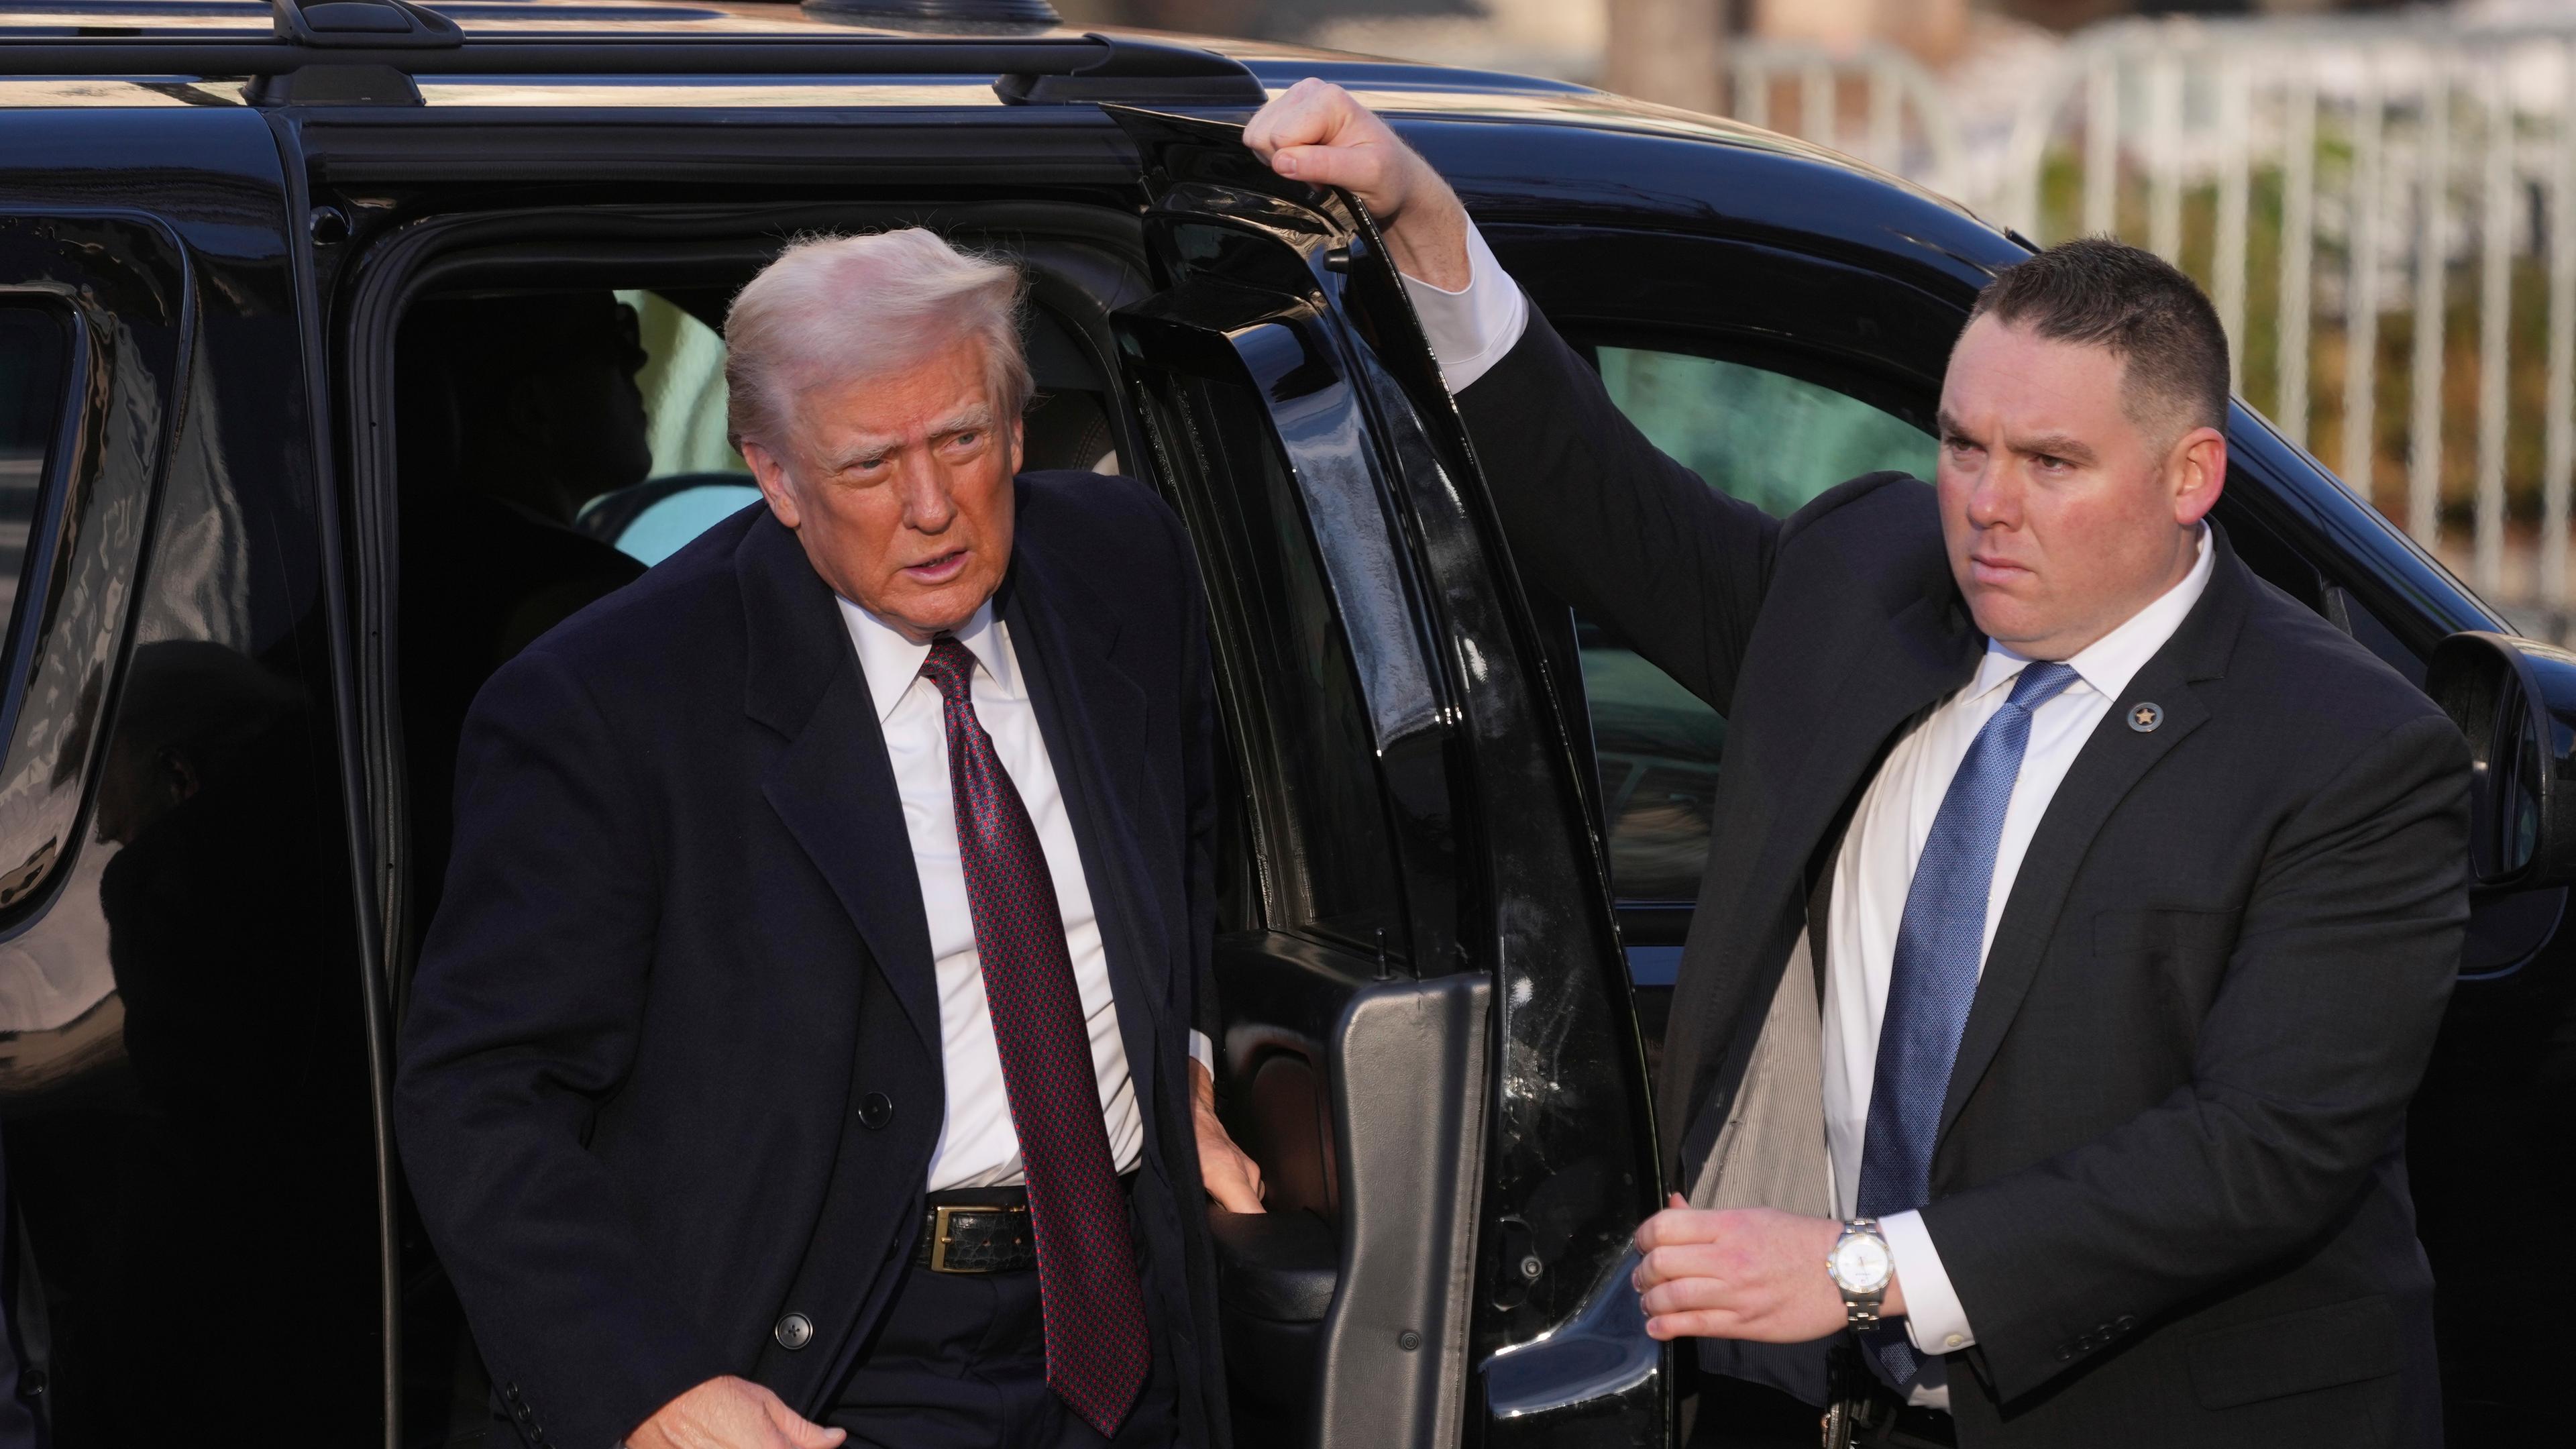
[[1860, 1263]]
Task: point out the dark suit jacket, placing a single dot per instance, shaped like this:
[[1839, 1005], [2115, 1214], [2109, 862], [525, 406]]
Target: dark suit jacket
[[682, 945], [2170, 1187]]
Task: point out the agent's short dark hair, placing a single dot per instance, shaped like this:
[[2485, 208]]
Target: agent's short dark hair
[[2099, 292]]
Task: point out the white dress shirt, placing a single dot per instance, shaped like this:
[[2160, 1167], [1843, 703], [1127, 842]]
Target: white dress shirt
[[1472, 329], [1876, 867], [977, 1146]]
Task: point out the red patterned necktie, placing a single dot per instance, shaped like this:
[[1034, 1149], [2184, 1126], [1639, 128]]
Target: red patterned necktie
[[1094, 1309]]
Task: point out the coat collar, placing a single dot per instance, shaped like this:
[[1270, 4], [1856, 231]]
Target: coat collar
[[1096, 716], [833, 785]]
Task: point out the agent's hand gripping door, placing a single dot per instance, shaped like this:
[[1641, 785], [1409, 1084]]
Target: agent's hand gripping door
[[1477, 1063]]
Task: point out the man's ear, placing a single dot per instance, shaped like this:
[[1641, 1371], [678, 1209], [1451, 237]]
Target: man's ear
[[529, 413], [179, 780], [770, 472], [1019, 441], [2197, 470]]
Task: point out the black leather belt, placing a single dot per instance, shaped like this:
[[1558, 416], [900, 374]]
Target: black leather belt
[[981, 1230], [977, 1230]]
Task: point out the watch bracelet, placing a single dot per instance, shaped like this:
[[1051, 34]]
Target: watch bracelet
[[1858, 1313]]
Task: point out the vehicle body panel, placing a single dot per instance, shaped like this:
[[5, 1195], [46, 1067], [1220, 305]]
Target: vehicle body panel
[[1620, 218]]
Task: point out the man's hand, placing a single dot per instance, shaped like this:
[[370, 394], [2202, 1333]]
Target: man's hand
[[731, 1413], [1227, 1172], [1749, 1273], [1316, 133]]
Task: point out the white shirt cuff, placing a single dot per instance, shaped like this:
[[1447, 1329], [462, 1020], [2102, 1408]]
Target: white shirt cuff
[[1471, 329], [1203, 1051], [1933, 1317]]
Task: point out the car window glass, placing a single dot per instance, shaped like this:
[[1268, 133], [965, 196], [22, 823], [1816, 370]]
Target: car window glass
[[657, 530], [684, 389], [1775, 441], [697, 478], [1300, 719], [32, 356]]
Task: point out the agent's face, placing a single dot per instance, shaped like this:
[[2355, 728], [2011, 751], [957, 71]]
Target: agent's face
[[899, 487], [582, 420], [2063, 515]]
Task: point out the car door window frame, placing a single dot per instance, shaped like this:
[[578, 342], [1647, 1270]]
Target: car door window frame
[[119, 284]]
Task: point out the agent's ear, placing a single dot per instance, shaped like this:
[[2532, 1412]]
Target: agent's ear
[[2196, 469], [178, 777], [529, 414], [770, 472]]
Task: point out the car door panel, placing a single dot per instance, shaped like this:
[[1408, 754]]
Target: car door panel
[[186, 1106], [1478, 1066]]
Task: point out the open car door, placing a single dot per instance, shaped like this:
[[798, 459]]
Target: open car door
[[1428, 1043]]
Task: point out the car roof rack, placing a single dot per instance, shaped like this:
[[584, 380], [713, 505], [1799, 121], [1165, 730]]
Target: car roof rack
[[368, 52]]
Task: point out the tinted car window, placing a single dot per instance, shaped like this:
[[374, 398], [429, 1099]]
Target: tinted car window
[[697, 478], [33, 350], [1770, 439], [683, 383], [1299, 718]]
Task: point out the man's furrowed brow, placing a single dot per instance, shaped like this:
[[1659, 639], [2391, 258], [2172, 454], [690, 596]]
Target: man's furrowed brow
[[866, 447], [2056, 445], [964, 420], [859, 450], [1950, 428]]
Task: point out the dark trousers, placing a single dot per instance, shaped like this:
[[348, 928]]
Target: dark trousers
[[960, 1363]]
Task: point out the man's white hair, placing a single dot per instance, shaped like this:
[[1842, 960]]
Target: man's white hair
[[835, 308]]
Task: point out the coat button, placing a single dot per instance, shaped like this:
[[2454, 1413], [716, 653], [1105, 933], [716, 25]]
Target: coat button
[[793, 1332], [875, 1110]]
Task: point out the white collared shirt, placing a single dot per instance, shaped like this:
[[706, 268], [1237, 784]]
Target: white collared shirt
[[977, 1146], [1876, 868], [1472, 329]]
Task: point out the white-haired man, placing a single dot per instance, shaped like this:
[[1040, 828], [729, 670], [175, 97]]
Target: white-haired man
[[820, 982]]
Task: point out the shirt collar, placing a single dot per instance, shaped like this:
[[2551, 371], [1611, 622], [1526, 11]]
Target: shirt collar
[[890, 662], [2108, 664]]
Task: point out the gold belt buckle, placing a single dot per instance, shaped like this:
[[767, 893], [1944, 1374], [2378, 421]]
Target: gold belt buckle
[[939, 1217]]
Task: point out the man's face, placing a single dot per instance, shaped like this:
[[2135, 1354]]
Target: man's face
[[2063, 514], [899, 487], [580, 417]]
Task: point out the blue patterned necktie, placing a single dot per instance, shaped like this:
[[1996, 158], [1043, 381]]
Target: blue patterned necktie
[[1939, 948]]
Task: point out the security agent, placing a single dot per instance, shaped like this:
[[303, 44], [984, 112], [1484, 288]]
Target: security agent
[[2080, 909]]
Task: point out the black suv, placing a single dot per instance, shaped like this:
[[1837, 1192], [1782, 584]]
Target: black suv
[[247, 594]]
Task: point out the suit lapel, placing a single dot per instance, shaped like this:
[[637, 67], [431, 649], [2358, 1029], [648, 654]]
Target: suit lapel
[[1097, 725], [1928, 650], [1925, 651], [833, 786], [2111, 764]]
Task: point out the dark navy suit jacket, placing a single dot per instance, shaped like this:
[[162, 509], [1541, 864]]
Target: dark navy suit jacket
[[682, 948], [2170, 1182]]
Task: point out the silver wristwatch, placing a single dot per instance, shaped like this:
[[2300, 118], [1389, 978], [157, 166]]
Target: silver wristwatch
[[1861, 1266]]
